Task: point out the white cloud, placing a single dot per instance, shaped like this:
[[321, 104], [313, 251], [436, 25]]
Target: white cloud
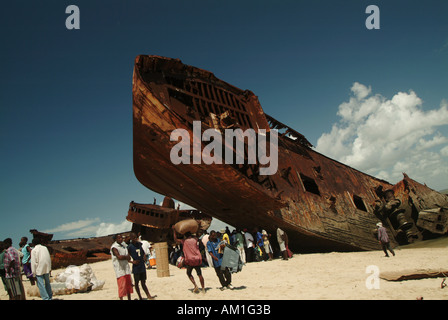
[[386, 137], [70, 226], [85, 232], [444, 151], [360, 90], [88, 228], [105, 229]]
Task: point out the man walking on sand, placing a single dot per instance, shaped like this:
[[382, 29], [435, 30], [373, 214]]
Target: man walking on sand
[[383, 238], [137, 253], [224, 276], [193, 258]]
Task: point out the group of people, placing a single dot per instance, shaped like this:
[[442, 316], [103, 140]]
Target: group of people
[[253, 245], [199, 250], [258, 247], [34, 259], [125, 252], [207, 250], [212, 246]]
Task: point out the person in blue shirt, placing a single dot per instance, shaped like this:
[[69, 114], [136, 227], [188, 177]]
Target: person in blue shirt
[[137, 253], [26, 259], [213, 246], [260, 244]]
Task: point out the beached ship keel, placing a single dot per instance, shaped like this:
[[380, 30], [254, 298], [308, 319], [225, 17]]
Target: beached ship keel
[[321, 203]]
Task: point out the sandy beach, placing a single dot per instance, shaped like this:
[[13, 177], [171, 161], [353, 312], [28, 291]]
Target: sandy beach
[[319, 276]]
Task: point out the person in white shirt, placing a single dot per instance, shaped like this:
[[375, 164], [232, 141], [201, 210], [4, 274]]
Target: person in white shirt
[[249, 246], [146, 248], [120, 262], [204, 240], [282, 239], [41, 267]]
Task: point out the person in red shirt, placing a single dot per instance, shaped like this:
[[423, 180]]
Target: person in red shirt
[[193, 258]]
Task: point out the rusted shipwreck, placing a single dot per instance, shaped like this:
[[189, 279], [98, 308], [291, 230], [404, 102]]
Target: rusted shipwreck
[[76, 251], [154, 222], [151, 221], [321, 203]]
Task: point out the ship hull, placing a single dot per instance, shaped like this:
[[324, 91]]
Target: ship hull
[[322, 204]]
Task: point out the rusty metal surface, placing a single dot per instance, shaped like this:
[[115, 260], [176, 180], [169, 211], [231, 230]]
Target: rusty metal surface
[[44, 237], [433, 220], [62, 259], [321, 203], [159, 217], [76, 251], [154, 222]]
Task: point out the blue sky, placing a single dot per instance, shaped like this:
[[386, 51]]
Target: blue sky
[[66, 99]]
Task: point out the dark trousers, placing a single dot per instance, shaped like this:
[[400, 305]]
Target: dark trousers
[[249, 254], [386, 246], [224, 276]]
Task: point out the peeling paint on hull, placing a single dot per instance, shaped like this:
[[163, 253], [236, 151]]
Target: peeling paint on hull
[[322, 204]]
